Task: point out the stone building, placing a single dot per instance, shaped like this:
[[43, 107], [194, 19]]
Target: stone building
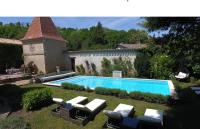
[[43, 45]]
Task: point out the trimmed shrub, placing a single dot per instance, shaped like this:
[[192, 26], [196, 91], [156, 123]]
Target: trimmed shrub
[[112, 92], [14, 123], [149, 97], [88, 89], [37, 99], [70, 86], [123, 94]]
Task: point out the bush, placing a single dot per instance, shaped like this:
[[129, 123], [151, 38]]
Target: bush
[[125, 65], [88, 89], [149, 97], [70, 86], [37, 98], [112, 92], [123, 94], [80, 69], [161, 66], [94, 69], [14, 123], [106, 67], [142, 65]]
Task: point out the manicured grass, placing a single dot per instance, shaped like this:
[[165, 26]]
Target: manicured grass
[[183, 116]]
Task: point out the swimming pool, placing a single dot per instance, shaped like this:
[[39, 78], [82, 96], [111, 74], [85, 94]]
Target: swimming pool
[[129, 84]]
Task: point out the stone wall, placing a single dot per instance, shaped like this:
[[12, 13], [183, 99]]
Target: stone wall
[[54, 56], [46, 54], [34, 51], [96, 56]]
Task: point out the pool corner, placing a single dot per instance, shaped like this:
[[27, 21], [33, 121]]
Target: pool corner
[[171, 88]]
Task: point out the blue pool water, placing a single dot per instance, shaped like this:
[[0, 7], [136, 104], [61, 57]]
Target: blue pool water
[[128, 84]]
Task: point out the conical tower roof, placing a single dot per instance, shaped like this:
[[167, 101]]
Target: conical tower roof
[[42, 27]]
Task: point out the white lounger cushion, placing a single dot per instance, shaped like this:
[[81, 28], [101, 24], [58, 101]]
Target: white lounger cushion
[[91, 106], [152, 115], [124, 109], [181, 75], [58, 100], [112, 114], [195, 88], [197, 92], [76, 100], [94, 104]]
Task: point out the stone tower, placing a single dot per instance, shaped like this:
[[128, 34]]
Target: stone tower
[[43, 45]]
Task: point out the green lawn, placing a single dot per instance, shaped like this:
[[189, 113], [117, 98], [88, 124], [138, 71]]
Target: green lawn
[[183, 116]]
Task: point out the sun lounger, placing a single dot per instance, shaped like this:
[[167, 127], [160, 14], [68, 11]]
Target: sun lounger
[[195, 88], [58, 100], [90, 109], [77, 100], [181, 75], [153, 117], [197, 92], [120, 117]]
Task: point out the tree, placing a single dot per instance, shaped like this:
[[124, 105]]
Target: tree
[[97, 34], [138, 36], [181, 41]]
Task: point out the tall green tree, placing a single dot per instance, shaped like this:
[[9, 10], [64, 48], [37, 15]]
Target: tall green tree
[[181, 39], [98, 34]]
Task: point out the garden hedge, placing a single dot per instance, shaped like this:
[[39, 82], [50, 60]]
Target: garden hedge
[[112, 92], [70, 86], [37, 98], [149, 97]]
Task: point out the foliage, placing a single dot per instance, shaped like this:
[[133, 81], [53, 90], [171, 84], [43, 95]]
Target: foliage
[[94, 71], [161, 66], [80, 69], [10, 56], [98, 34], [123, 94], [99, 37], [149, 97], [37, 98], [112, 92], [196, 70], [31, 68], [106, 67], [181, 39], [125, 65], [88, 67], [142, 65], [14, 123], [13, 31], [9, 89], [138, 36], [70, 86]]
